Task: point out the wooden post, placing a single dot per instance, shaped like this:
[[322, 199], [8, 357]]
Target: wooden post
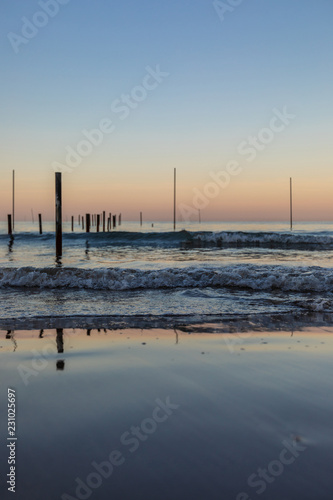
[[72, 223], [82, 219], [9, 218], [140, 218], [291, 203], [119, 220], [103, 222], [114, 221], [58, 214], [98, 221], [13, 209], [87, 223], [40, 223], [174, 199]]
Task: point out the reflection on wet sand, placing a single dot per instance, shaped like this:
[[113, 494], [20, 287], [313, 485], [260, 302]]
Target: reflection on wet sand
[[248, 398], [10, 336]]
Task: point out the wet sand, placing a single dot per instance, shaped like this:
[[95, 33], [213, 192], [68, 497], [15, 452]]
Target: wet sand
[[161, 414]]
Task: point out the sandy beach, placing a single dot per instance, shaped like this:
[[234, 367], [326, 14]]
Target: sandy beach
[[188, 415]]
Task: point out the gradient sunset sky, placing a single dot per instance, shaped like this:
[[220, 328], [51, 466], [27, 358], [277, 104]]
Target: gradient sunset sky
[[206, 77]]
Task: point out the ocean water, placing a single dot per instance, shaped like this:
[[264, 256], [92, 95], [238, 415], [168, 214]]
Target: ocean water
[[200, 272]]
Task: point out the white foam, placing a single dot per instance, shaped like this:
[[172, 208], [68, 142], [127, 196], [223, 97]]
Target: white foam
[[248, 276]]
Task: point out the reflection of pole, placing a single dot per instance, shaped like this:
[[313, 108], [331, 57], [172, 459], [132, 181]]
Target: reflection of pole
[[291, 203], [60, 340], [174, 199], [60, 364]]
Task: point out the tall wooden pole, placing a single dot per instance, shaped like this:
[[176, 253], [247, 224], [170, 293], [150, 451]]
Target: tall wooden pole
[[9, 219], [140, 218], [58, 214], [13, 209], [40, 223], [103, 221], [174, 199], [291, 203]]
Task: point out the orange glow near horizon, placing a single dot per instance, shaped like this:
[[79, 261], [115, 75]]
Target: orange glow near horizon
[[243, 199]]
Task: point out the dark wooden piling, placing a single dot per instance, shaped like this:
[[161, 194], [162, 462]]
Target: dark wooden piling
[[119, 220], [13, 207], [291, 203], [114, 221], [40, 223], [140, 218], [174, 199], [98, 222], [82, 220], [9, 218], [87, 223], [103, 222], [58, 214], [72, 223]]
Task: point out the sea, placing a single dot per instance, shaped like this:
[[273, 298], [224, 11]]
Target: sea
[[255, 274], [153, 363]]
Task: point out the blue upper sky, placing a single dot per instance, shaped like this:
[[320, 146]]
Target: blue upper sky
[[225, 78]]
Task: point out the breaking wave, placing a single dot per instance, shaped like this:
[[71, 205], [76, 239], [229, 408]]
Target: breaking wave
[[242, 276]]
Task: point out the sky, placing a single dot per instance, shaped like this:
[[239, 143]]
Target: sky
[[236, 95]]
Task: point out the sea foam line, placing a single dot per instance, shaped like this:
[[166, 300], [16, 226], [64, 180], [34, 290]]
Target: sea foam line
[[244, 276]]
